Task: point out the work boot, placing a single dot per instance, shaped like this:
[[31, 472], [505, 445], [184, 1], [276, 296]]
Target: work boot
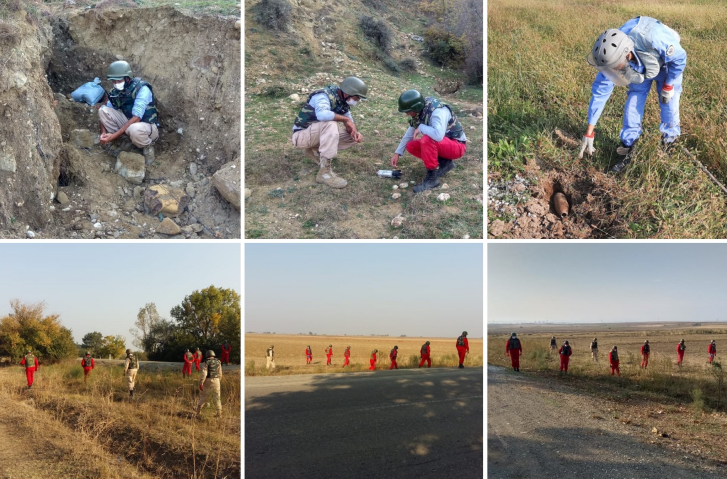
[[430, 181], [626, 152], [461, 366], [444, 167], [149, 154], [327, 177], [131, 393]]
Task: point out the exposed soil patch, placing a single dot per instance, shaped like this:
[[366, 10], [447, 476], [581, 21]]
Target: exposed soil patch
[[524, 207]]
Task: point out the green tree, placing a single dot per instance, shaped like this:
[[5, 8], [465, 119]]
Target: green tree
[[114, 346], [203, 314], [92, 341], [28, 327]]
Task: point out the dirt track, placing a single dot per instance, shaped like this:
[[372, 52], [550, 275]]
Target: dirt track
[[535, 429]]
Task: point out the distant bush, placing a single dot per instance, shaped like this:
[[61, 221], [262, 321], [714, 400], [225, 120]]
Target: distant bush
[[444, 47], [375, 4], [391, 64], [408, 65], [274, 14], [377, 32]]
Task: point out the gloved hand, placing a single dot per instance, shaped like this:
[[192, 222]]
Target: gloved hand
[[201, 387], [667, 91], [587, 145]]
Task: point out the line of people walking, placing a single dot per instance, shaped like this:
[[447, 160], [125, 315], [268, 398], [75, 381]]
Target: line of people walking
[[461, 344], [513, 349]]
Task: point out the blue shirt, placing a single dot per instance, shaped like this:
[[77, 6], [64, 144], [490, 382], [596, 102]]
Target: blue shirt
[[322, 105], [439, 120], [143, 98]]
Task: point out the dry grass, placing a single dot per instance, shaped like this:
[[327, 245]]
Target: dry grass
[[290, 353], [682, 401], [538, 81], [156, 431]]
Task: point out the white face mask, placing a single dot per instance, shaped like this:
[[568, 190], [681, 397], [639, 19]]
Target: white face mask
[[351, 102], [120, 86]]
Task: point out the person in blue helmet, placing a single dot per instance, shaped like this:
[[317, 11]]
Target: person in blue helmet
[[641, 52]]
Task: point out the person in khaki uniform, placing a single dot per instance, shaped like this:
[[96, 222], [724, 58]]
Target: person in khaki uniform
[[210, 382], [131, 366], [270, 355], [594, 350], [316, 126]]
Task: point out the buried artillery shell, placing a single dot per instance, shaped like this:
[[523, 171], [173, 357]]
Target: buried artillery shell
[[561, 205]]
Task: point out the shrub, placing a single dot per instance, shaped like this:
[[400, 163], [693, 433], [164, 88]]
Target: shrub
[[391, 64], [274, 14], [377, 32], [444, 47], [698, 401], [408, 65]]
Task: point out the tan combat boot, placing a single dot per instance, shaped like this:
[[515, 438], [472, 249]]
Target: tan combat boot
[[327, 176]]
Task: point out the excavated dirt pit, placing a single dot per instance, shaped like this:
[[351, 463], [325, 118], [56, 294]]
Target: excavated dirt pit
[[193, 65], [523, 207]]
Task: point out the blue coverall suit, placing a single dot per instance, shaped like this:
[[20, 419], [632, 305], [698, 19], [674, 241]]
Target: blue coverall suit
[[661, 44]]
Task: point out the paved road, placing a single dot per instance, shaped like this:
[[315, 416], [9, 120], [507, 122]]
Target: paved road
[[415, 423], [537, 429]]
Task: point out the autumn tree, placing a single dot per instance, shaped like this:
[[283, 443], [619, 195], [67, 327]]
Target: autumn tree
[[92, 341], [28, 328], [146, 320], [114, 346]]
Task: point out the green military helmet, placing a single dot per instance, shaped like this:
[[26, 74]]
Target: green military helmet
[[88, 353], [427, 342], [354, 86], [128, 351], [27, 351], [464, 333], [376, 350], [396, 347], [411, 100], [119, 70], [210, 354]]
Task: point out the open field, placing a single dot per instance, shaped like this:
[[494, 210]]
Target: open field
[[404, 424], [685, 403], [539, 87], [290, 352], [153, 435]]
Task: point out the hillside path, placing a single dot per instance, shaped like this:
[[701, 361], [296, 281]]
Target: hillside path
[[538, 429]]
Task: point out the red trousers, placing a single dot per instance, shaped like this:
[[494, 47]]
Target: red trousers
[[328, 360], [225, 357], [345, 360], [308, 359], [461, 350], [187, 369], [425, 358], [29, 372], [373, 364], [196, 365], [86, 371], [711, 357], [614, 367], [393, 365], [515, 358], [564, 362], [645, 360], [428, 150], [680, 358]]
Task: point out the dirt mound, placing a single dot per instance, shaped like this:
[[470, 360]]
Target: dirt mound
[[524, 207], [196, 84]]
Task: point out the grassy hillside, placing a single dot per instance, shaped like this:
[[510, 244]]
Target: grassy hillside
[[324, 45], [539, 81]]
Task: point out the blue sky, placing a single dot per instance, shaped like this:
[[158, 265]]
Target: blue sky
[[585, 283], [101, 287], [417, 289]]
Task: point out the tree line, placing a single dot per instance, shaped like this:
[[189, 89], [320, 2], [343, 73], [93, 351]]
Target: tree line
[[204, 319]]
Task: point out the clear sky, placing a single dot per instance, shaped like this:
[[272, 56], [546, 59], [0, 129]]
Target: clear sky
[[585, 283], [416, 289], [101, 287]]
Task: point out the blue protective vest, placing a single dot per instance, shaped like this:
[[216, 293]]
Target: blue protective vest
[[124, 101]]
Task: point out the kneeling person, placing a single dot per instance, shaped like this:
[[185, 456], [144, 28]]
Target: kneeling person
[[443, 138], [130, 110], [210, 382], [316, 126]]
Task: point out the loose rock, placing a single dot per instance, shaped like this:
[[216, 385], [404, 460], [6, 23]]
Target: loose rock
[[403, 185], [168, 227], [443, 197], [165, 200], [82, 138], [397, 221], [131, 166], [227, 180], [62, 198], [248, 193], [396, 195]]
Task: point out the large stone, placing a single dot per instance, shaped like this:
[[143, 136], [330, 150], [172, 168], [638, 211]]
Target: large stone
[[165, 200], [7, 160], [168, 227], [131, 166], [82, 138], [228, 182], [62, 198]]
